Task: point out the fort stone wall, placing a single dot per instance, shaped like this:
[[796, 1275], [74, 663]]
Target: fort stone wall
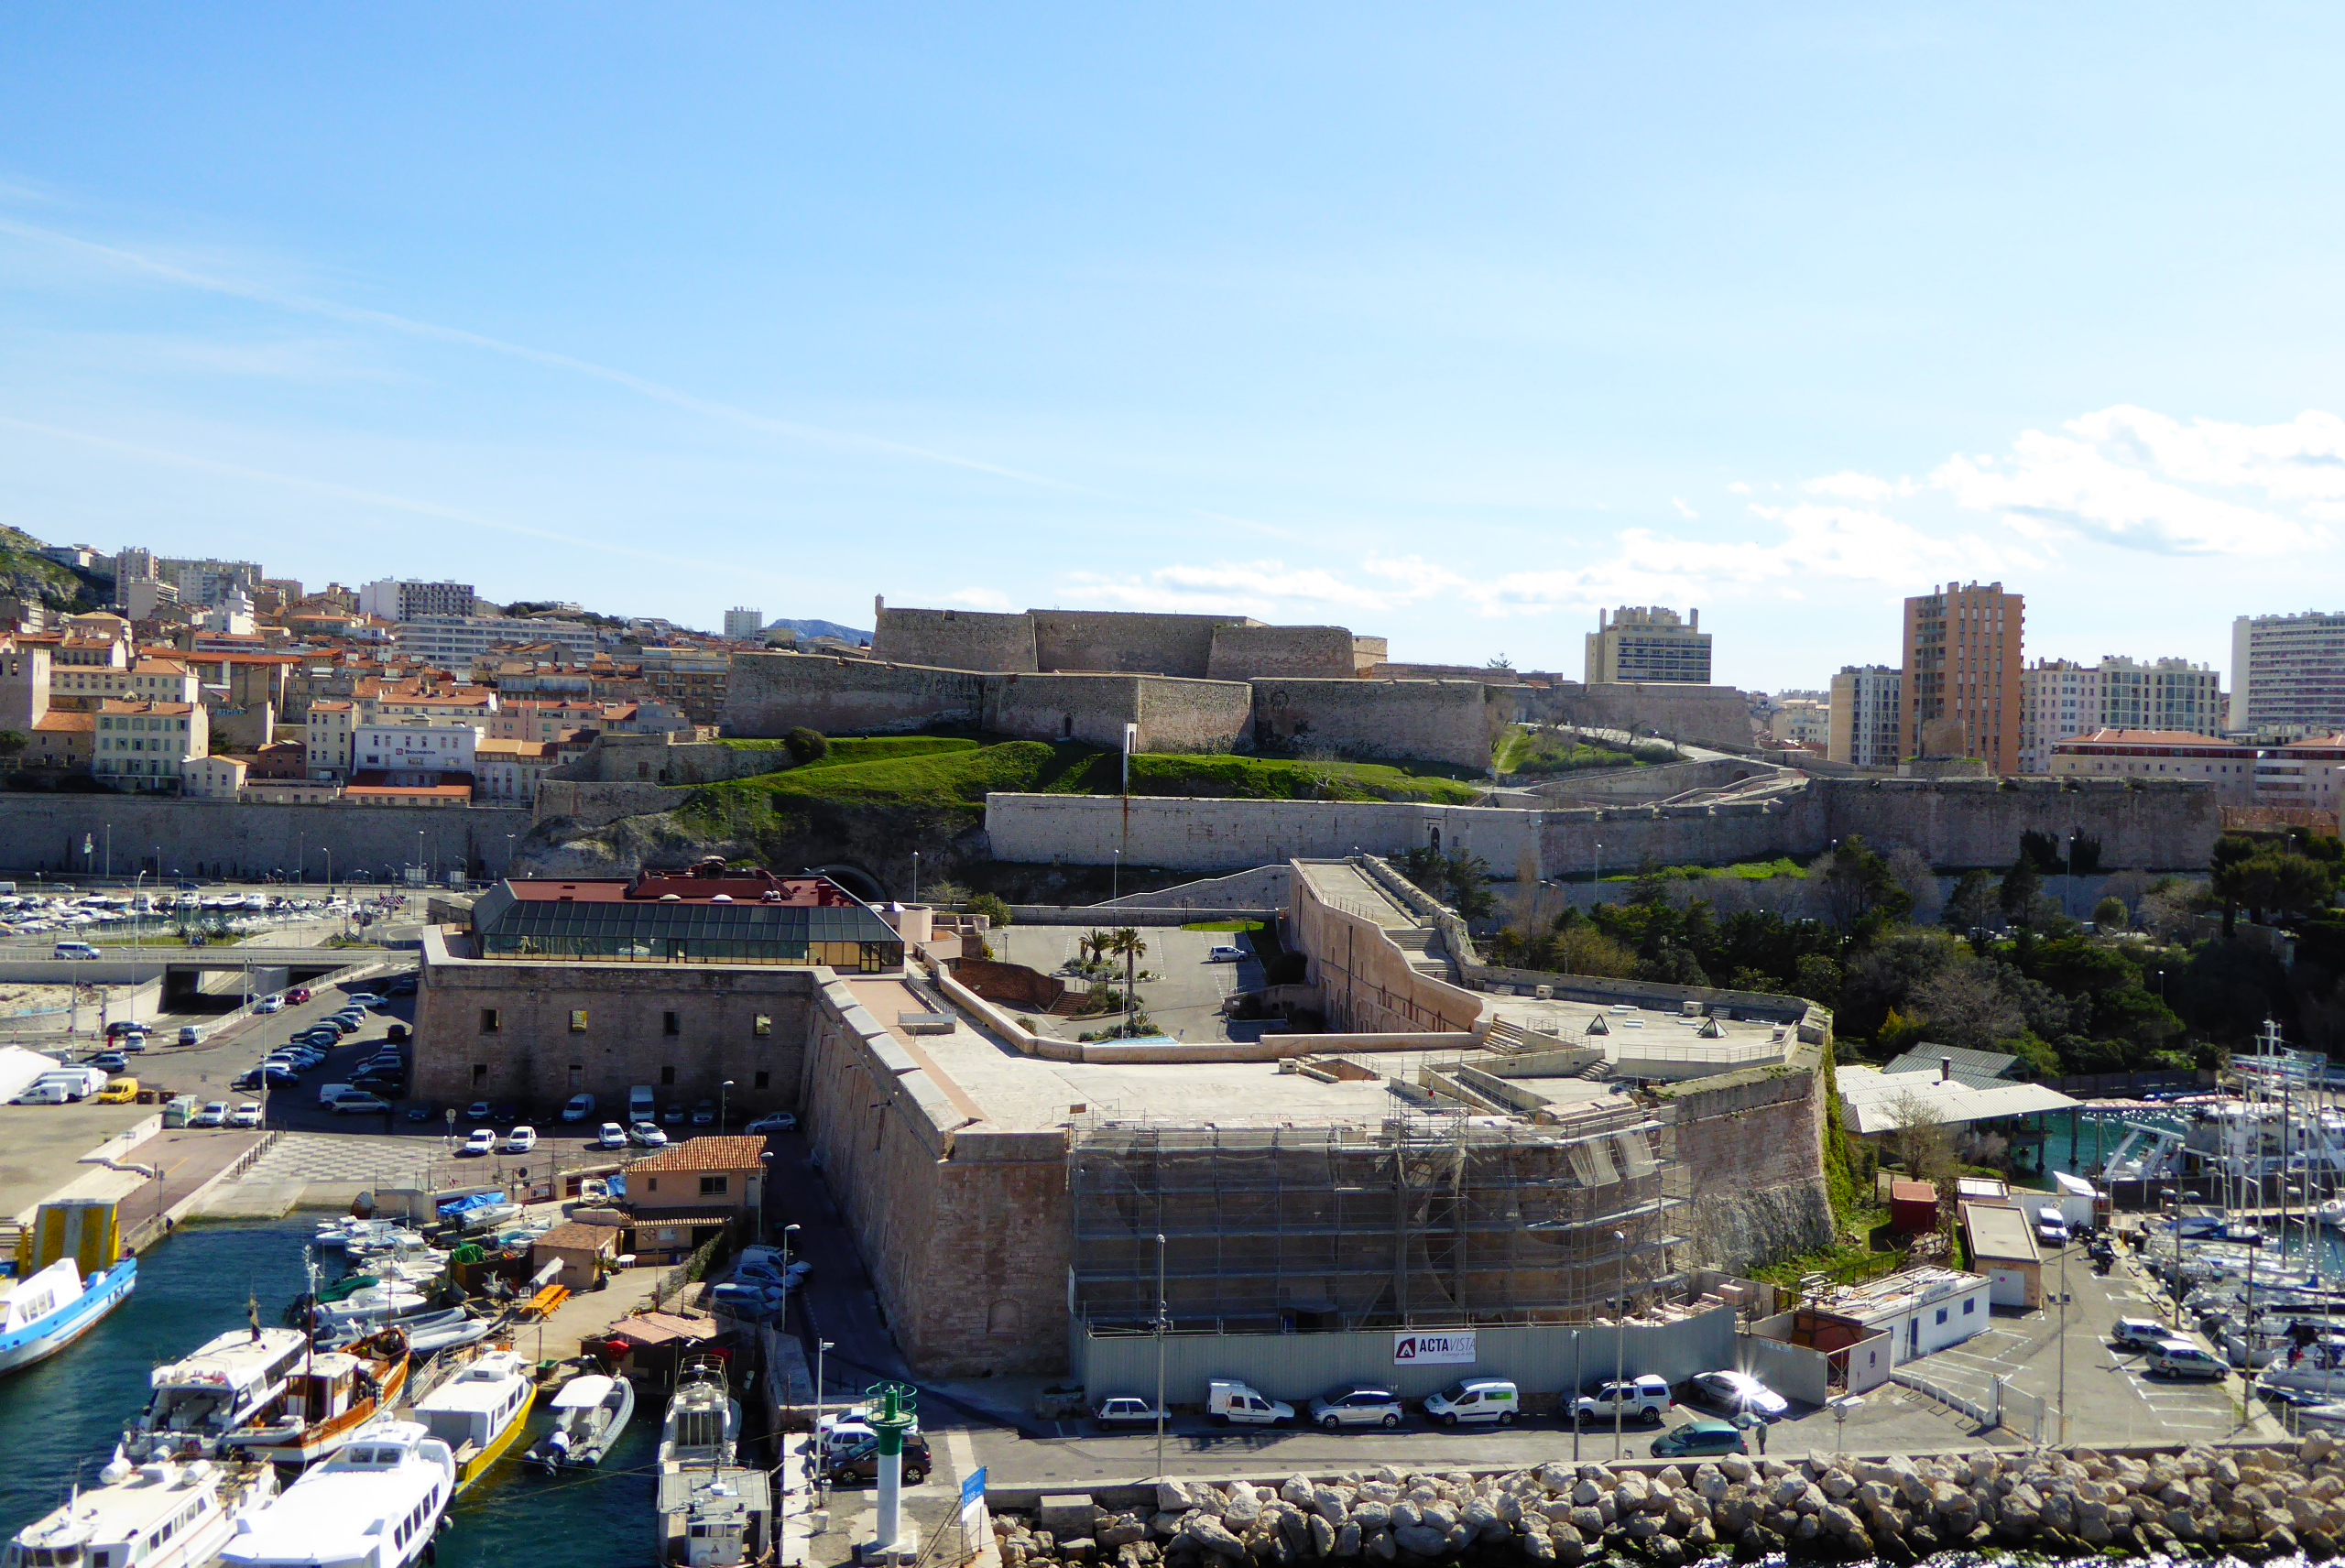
[[954, 639], [44, 832], [1182, 834], [1456, 721], [1244, 651], [1749, 1152], [1704, 715], [1125, 642], [771, 693], [1173, 716]]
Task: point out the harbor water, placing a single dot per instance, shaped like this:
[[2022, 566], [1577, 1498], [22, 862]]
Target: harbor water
[[61, 1416]]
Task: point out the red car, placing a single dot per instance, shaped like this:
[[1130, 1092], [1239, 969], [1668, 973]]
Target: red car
[[296, 997]]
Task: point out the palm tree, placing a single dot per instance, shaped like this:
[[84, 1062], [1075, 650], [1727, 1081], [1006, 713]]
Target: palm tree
[[1127, 944], [1093, 945]]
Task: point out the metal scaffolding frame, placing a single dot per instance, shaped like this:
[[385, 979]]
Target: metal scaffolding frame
[[1428, 1218]]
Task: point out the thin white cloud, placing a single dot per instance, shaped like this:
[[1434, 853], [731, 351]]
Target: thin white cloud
[[1854, 487], [979, 598], [1683, 509]]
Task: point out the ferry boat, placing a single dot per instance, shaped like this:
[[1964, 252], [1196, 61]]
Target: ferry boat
[[43, 1314], [480, 1413], [721, 1518], [375, 1504], [161, 1514], [224, 1386], [589, 1413], [330, 1395], [704, 1420]]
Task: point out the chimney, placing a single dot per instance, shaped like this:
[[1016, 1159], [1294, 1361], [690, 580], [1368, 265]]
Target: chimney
[[1946, 1068]]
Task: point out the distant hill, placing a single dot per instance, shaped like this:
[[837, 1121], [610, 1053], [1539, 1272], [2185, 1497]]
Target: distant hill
[[25, 574], [822, 628]]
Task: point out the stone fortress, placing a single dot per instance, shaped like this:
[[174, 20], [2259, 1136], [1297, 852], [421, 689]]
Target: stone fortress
[[1186, 683]]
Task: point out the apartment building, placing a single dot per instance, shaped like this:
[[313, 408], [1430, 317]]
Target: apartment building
[[414, 744], [326, 735], [507, 771], [1803, 721], [534, 719], [1960, 695], [1864, 710], [744, 625], [689, 679], [2061, 699], [2307, 773], [1647, 642], [144, 746], [2288, 675], [404, 599], [457, 641], [2230, 767]]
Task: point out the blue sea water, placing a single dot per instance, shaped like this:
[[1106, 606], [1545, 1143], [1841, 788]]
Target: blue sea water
[[61, 1416]]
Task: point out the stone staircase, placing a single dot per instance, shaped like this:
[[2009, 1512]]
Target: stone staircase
[[1423, 944]]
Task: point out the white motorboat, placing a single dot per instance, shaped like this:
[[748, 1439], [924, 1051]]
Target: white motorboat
[[444, 1330], [42, 1315], [715, 1519], [589, 1413], [378, 1302], [159, 1515], [704, 1420], [2315, 1375], [221, 1388], [481, 1411], [375, 1504]]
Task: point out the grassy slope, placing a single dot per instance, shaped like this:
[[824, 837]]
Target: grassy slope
[[1545, 754], [867, 749]]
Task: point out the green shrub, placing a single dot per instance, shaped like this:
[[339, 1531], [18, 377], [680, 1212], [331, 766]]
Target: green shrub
[[991, 906], [806, 746]]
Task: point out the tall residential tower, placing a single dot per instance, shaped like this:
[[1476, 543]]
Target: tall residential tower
[[1962, 695]]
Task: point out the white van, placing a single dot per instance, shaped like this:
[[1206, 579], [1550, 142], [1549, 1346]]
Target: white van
[[580, 1106], [640, 1107], [74, 950], [43, 1092], [329, 1093], [77, 1082], [1227, 1399], [1491, 1399]]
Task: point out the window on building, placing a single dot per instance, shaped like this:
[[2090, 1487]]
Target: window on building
[[1969, 1305], [490, 1020], [671, 1023], [761, 1078], [578, 1020], [666, 1075], [762, 1026], [480, 1073], [1941, 1314], [652, 1184], [713, 1186]]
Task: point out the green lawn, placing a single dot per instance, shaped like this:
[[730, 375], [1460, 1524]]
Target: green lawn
[[868, 748], [1223, 926], [1746, 870], [1541, 753]]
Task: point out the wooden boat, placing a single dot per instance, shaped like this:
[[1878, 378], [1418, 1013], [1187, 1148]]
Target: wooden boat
[[329, 1397]]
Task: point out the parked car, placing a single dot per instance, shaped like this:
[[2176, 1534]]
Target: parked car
[[477, 1111], [364, 999], [1225, 955], [1357, 1404], [1490, 1399], [121, 1026], [673, 1115], [521, 1140], [644, 1135], [860, 1461], [480, 1141], [342, 1024], [396, 1034], [580, 1107], [1701, 1436], [244, 1115], [504, 1116], [402, 987], [280, 1078], [111, 1060], [134, 1040], [1642, 1399], [247, 1082], [780, 1121], [214, 1114], [119, 1092], [360, 1104], [2180, 1358], [1125, 1410], [705, 1113], [1737, 1393], [388, 1083], [2139, 1334], [613, 1135], [2051, 1226], [270, 1005], [1244, 1405]]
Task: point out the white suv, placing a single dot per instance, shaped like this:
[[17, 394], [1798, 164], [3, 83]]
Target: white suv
[[1357, 1404], [1641, 1398]]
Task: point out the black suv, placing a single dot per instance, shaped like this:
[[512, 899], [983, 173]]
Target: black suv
[[861, 1462]]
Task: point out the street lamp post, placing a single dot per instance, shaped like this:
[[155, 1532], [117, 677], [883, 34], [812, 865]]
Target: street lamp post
[[787, 1232], [1161, 1326], [722, 1091], [1619, 1334], [915, 876], [820, 1346], [2174, 1213]]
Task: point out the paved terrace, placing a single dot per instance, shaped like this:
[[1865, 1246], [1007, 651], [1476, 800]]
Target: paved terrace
[[988, 1080], [1650, 1042]]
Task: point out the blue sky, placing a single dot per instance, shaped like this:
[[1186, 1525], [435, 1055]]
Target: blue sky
[[1449, 324]]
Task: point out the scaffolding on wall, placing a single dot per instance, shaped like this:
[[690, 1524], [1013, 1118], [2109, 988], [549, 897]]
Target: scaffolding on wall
[[1428, 1218]]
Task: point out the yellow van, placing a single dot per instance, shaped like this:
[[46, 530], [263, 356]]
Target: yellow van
[[119, 1092]]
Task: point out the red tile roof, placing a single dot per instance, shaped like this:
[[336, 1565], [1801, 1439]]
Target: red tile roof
[[730, 1153]]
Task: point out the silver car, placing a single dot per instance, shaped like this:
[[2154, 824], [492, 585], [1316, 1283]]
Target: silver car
[[1358, 1404]]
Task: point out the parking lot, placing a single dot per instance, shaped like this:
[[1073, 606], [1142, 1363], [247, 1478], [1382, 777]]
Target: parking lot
[[1185, 998]]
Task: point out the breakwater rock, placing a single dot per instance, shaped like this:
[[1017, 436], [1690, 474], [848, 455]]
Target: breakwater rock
[[2248, 1503]]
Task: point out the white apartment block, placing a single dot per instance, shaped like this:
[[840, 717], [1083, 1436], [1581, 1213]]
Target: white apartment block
[[1862, 714], [2061, 699], [453, 642], [414, 744], [404, 599], [2288, 675], [326, 739], [744, 625], [1803, 721], [2306, 773], [144, 746], [2230, 766]]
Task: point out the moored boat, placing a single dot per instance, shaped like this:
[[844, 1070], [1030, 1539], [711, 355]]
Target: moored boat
[[589, 1413], [721, 1518], [220, 1388], [481, 1411], [42, 1315], [375, 1504], [704, 1420], [330, 1395], [161, 1514]]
